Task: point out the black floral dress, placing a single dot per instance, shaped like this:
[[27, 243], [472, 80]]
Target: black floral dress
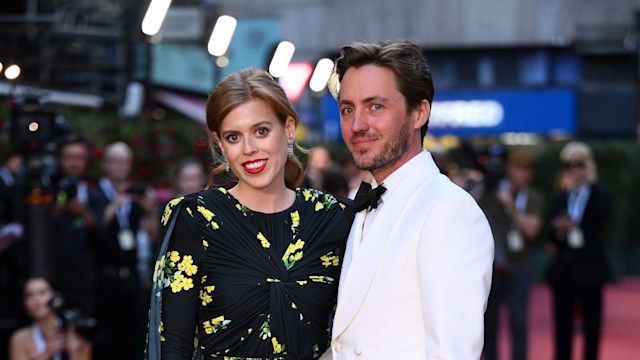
[[238, 284]]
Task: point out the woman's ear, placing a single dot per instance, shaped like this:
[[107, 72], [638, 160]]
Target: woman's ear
[[290, 127]]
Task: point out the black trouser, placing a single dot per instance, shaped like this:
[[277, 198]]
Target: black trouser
[[121, 331], [565, 297]]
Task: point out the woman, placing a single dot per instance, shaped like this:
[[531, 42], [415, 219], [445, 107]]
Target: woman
[[251, 270], [578, 269], [44, 340]]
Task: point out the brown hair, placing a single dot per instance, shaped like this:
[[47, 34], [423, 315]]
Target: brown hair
[[403, 58], [240, 88]]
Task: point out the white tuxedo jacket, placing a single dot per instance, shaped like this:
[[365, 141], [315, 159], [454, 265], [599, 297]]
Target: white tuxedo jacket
[[417, 287]]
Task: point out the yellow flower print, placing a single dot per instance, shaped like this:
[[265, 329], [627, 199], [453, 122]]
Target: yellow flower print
[[174, 256], [265, 330], [302, 282], [277, 348], [319, 206], [208, 214], [205, 243], [203, 279], [187, 265], [180, 282], [169, 209], [294, 253], [210, 288], [190, 211], [158, 271], [321, 279], [330, 260], [263, 240], [205, 297], [295, 221], [160, 330], [342, 206], [222, 190], [215, 324], [308, 195]]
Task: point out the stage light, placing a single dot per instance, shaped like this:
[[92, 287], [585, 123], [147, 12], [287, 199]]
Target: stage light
[[281, 58], [221, 35], [321, 75], [154, 17], [12, 72]]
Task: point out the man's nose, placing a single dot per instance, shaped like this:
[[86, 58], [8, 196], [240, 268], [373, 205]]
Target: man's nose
[[360, 122]]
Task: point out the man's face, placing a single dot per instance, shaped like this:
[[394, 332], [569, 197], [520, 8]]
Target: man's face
[[117, 165], [73, 160], [375, 126]]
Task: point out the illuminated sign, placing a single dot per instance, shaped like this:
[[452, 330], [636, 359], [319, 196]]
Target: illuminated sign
[[466, 113]]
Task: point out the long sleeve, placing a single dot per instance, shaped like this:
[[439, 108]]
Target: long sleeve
[[455, 278], [180, 300]]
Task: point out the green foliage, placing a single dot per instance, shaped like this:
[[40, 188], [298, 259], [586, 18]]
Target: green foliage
[[157, 144]]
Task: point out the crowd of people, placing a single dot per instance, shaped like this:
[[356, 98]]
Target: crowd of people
[[384, 252]]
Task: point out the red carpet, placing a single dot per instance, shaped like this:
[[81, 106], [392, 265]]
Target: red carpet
[[621, 324]]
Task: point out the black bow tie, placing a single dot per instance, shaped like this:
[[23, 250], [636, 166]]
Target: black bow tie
[[366, 197]]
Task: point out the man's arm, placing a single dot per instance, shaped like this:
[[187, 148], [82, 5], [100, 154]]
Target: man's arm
[[455, 265]]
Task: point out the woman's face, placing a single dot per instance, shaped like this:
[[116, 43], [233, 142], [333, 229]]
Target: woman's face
[[37, 294], [191, 179], [255, 143]]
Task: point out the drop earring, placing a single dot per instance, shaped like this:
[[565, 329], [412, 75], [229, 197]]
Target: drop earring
[[290, 148], [225, 161]]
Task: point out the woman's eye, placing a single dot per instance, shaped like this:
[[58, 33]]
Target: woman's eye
[[232, 138], [262, 131]]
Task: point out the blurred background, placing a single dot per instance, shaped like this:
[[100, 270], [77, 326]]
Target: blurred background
[[525, 75]]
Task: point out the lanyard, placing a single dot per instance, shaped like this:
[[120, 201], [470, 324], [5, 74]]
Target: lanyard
[[122, 214], [577, 202], [520, 202]]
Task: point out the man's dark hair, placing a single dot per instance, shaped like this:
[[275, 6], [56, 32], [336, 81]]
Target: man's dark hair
[[403, 58]]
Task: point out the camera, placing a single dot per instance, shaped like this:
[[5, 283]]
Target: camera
[[33, 127], [72, 317], [67, 192]]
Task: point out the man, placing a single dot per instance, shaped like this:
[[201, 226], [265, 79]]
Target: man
[[417, 268], [514, 211], [122, 213], [74, 223]]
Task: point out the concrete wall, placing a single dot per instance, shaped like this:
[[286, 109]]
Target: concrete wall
[[324, 25]]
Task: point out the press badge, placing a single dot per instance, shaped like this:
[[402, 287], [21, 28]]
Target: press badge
[[126, 240], [575, 239], [515, 242]]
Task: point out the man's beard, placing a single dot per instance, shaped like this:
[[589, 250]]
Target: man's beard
[[391, 152]]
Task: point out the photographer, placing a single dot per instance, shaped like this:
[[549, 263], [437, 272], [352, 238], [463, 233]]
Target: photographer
[[125, 217], [514, 211], [75, 230], [48, 337]]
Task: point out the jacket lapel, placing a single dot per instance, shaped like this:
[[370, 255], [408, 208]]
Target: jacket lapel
[[365, 255]]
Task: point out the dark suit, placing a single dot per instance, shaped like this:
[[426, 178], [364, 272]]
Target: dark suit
[[580, 273], [121, 314]]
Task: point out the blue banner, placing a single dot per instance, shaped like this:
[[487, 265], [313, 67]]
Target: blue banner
[[469, 113], [483, 113]]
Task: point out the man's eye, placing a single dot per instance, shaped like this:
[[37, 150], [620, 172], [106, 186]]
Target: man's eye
[[376, 106], [347, 110]]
